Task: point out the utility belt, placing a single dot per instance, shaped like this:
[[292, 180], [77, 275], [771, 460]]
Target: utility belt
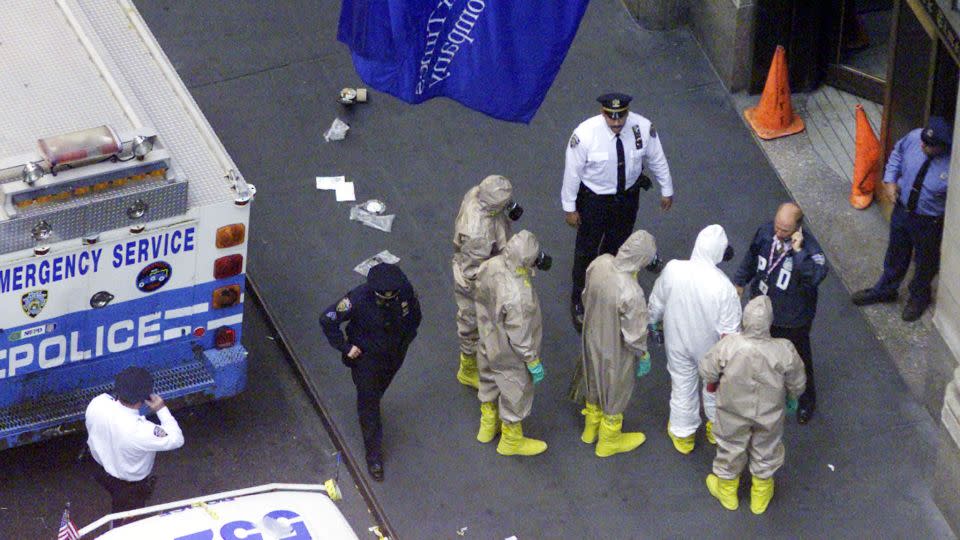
[[629, 194], [929, 220]]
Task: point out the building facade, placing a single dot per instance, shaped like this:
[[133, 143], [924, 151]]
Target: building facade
[[903, 54]]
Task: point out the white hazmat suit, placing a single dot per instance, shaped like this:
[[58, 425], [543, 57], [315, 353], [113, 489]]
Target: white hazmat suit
[[697, 304]]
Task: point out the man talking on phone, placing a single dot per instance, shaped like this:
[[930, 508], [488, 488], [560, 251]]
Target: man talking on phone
[[786, 263]]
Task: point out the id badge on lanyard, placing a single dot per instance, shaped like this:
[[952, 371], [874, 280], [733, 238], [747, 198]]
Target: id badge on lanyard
[[762, 286]]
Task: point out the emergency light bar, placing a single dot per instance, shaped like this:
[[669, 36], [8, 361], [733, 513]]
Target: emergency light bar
[[86, 182]]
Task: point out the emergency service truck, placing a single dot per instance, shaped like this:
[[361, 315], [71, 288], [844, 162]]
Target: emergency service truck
[[123, 221]]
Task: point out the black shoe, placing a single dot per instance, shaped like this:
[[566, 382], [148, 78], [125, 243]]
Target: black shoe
[[576, 313], [805, 413], [376, 470], [914, 309], [867, 297]]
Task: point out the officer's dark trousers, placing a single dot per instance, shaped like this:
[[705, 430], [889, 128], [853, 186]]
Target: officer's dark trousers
[[606, 221], [800, 337], [372, 375], [916, 235], [125, 495]]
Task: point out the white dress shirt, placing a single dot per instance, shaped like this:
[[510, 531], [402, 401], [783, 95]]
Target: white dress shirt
[[592, 158], [125, 443]]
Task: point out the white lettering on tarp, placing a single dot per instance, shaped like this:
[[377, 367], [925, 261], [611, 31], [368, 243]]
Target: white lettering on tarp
[[73, 265], [434, 68]]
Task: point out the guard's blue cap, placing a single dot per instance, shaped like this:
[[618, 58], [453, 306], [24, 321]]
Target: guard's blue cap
[[386, 277], [937, 132], [614, 104]]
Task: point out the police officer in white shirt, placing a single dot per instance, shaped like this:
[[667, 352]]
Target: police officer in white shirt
[[606, 158], [125, 443]]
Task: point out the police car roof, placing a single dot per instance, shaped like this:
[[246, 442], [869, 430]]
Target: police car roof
[[274, 510]]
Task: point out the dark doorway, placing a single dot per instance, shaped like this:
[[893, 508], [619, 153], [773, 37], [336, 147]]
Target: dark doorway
[[860, 47]]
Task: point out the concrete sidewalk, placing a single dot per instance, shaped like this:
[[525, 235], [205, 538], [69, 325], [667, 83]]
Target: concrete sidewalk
[[267, 80]]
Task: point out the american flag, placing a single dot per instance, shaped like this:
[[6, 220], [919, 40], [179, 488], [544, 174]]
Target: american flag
[[68, 531]]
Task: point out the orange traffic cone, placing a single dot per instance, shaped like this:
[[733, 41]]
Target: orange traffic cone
[[774, 117], [866, 164]]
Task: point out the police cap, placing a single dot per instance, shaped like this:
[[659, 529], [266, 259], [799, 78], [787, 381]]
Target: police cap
[[614, 104], [133, 385], [937, 132], [386, 277]]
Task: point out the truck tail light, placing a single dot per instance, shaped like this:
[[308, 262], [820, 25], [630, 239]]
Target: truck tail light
[[225, 267], [225, 297], [231, 235], [224, 338]]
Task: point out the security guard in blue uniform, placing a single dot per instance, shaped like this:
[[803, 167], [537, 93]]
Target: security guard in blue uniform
[[916, 177], [606, 161], [382, 318], [787, 264]]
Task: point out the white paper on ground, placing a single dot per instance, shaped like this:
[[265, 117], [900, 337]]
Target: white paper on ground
[[345, 192], [330, 182], [383, 257]]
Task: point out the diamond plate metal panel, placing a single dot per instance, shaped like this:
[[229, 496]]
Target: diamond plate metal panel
[[70, 221], [155, 97]]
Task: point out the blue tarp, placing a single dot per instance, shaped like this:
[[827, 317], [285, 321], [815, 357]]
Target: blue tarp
[[495, 56]]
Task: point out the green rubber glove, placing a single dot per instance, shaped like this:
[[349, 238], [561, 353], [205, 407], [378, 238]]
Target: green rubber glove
[[792, 405], [643, 365], [536, 370]]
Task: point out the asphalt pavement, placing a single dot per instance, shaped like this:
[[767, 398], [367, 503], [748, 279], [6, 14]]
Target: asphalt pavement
[[268, 433], [267, 75]]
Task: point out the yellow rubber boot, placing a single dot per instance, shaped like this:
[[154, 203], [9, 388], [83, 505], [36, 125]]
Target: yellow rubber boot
[[513, 443], [710, 438], [724, 490], [468, 374], [613, 440], [489, 422], [761, 491], [591, 422], [684, 445]]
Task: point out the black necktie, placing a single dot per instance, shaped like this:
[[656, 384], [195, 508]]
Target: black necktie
[[621, 168], [918, 186]]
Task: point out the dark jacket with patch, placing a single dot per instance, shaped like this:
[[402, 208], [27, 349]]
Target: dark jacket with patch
[[377, 329], [792, 286]]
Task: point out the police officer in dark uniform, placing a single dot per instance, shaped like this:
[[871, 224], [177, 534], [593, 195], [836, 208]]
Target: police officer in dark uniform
[[606, 159], [382, 318], [786, 263], [916, 177]]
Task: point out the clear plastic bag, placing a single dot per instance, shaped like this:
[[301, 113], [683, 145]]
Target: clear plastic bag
[[337, 132]]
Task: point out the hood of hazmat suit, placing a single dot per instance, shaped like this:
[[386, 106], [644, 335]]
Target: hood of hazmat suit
[[481, 229], [697, 303], [615, 322], [494, 192], [695, 300], [510, 325], [755, 374]]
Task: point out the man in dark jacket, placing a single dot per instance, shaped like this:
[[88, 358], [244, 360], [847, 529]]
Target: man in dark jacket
[[382, 317], [786, 263]]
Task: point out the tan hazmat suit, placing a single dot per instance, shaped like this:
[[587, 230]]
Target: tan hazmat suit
[[510, 327], [756, 372], [615, 323], [480, 232]]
